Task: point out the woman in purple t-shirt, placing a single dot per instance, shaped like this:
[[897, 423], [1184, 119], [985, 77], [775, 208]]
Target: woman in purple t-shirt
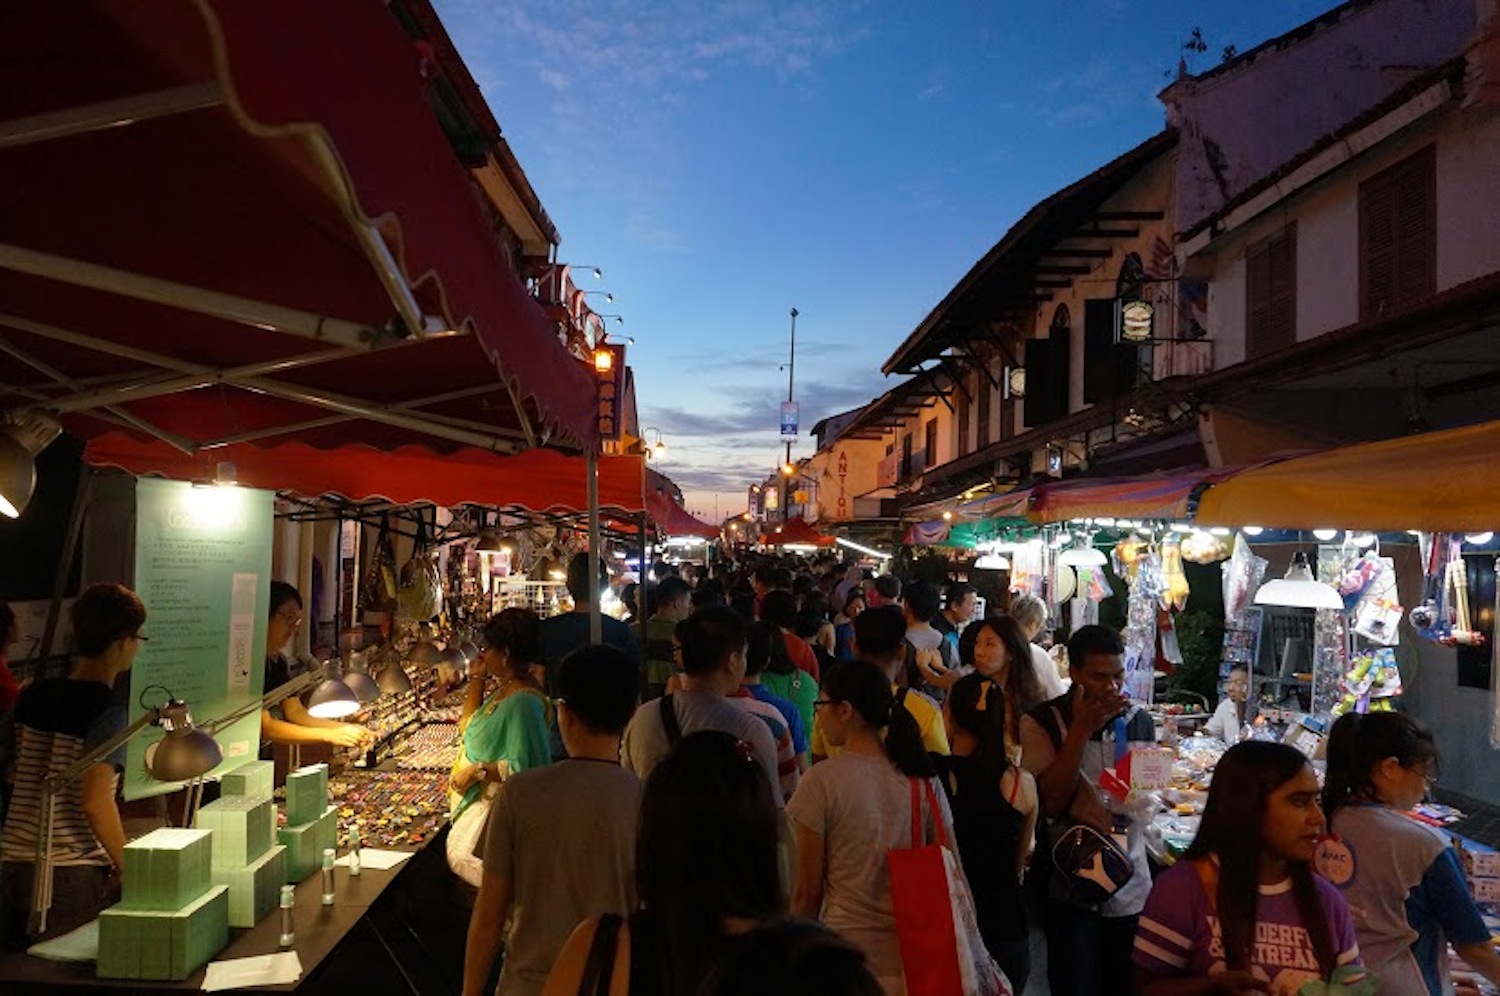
[[1242, 912]]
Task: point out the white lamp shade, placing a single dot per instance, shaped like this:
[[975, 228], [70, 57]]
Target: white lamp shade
[[1082, 556], [1300, 590], [992, 562]]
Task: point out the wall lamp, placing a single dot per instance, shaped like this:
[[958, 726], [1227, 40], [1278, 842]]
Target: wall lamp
[[657, 449]]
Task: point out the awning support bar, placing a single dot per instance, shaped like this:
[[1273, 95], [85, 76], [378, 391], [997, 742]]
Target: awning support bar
[[216, 304], [108, 114]]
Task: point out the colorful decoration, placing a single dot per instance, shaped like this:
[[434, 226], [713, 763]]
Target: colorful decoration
[[1371, 684]]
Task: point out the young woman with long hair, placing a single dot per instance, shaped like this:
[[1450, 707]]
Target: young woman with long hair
[[995, 810], [853, 808], [1243, 911], [1403, 877], [996, 649], [706, 870]]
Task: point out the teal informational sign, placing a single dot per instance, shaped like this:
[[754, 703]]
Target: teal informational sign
[[203, 568]]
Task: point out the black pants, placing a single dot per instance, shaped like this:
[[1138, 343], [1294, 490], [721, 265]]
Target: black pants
[[1088, 954]]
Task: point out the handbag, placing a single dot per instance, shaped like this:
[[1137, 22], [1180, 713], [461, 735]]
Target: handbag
[[599, 968], [1092, 866], [942, 952]]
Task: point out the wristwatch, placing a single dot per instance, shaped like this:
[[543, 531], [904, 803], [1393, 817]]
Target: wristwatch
[[484, 772]]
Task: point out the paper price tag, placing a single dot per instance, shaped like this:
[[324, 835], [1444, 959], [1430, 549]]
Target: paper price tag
[[1150, 768], [1486, 890], [1486, 864]]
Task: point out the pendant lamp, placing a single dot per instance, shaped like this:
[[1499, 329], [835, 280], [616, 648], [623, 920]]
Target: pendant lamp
[[1299, 589]]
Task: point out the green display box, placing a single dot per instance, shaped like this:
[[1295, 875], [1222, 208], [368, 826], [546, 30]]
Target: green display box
[[162, 944], [306, 794], [305, 843], [256, 779], [167, 869], [255, 889], [244, 828]]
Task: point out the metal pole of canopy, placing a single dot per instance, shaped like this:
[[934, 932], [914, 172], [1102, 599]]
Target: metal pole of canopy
[[591, 478]]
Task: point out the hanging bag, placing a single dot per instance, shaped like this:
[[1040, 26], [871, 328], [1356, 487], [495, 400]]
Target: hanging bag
[[420, 594], [380, 578], [942, 952]]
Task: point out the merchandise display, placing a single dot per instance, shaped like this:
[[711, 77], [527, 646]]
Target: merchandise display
[[171, 919], [400, 809]]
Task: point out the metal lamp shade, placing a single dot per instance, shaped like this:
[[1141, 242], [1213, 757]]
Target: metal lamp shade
[[332, 699], [393, 680], [424, 652], [362, 685], [456, 658], [17, 476], [185, 752]]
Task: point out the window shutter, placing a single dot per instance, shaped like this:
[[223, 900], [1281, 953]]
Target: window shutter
[[1060, 370], [963, 412], [1397, 236], [982, 415], [1271, 294], [1040, 405], [1109, 367], [930, 444]]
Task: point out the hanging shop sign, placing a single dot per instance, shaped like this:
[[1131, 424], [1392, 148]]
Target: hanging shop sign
[[203, 568], [611, 374]]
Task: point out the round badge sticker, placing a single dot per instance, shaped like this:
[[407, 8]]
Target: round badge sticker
[[1334, 861]]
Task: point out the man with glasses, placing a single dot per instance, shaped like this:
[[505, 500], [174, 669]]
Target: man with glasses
[[289, 722]]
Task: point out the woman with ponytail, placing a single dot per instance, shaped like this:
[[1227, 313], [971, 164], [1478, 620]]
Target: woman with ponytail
[[994, 805], [1243, 912], [1403, 877], [853, 808]]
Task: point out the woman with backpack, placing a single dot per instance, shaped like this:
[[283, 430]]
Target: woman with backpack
[[995, 648]]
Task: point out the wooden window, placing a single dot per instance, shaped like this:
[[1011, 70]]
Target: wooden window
[[930, 444], [906, 457], [982, 410], [965, 391], [1398, 236], [1110, 365], [1271, 294]]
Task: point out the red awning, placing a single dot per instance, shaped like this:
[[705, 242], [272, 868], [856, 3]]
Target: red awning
[[1150, 496], [536, 480], [674, 520], [798, 531], [227, 216]]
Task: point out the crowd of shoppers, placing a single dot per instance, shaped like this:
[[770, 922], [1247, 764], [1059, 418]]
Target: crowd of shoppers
[[717, 819]]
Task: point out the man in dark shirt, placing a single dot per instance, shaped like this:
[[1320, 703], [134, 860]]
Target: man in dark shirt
[[565, 633]]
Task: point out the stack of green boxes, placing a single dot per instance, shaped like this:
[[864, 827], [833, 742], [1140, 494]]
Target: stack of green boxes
[[246, 857], [311, 824], [171, 919]]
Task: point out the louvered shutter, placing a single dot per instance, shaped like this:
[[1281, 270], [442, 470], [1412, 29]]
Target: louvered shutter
[[1398, 236]]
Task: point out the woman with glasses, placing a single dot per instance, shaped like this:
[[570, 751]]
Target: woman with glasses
[[57, 721], [850, 810], [1402, 877], [288, 722]]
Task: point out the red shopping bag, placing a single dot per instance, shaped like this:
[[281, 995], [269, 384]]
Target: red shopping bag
[[941, 951]]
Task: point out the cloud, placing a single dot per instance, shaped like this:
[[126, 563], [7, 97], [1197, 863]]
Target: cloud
[[936, 90], [615, 74]]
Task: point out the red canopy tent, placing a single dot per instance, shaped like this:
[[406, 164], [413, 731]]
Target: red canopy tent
[[796, 531], [537, 480], [237, 222], [674, 520]]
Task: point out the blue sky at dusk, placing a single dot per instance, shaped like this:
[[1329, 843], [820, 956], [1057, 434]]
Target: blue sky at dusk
[[724, 162]]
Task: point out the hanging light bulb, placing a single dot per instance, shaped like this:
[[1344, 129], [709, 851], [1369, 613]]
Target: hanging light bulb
[[1252, 530], [1478, 539], [1325, 534]]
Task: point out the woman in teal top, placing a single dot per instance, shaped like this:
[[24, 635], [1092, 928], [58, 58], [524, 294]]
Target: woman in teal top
[[783, 678], [505, 729]]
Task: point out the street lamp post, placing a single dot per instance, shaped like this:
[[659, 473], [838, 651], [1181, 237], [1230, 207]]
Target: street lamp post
[[791, 374]]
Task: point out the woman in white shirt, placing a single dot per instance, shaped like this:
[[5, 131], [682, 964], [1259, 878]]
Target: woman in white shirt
[[1030, 613], [853, 808], [1230, 716]]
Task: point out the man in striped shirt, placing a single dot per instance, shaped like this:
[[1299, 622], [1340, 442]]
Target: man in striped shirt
[[57, 722]]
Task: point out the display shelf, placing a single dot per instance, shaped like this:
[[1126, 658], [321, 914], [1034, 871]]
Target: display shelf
[[390, 808]]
